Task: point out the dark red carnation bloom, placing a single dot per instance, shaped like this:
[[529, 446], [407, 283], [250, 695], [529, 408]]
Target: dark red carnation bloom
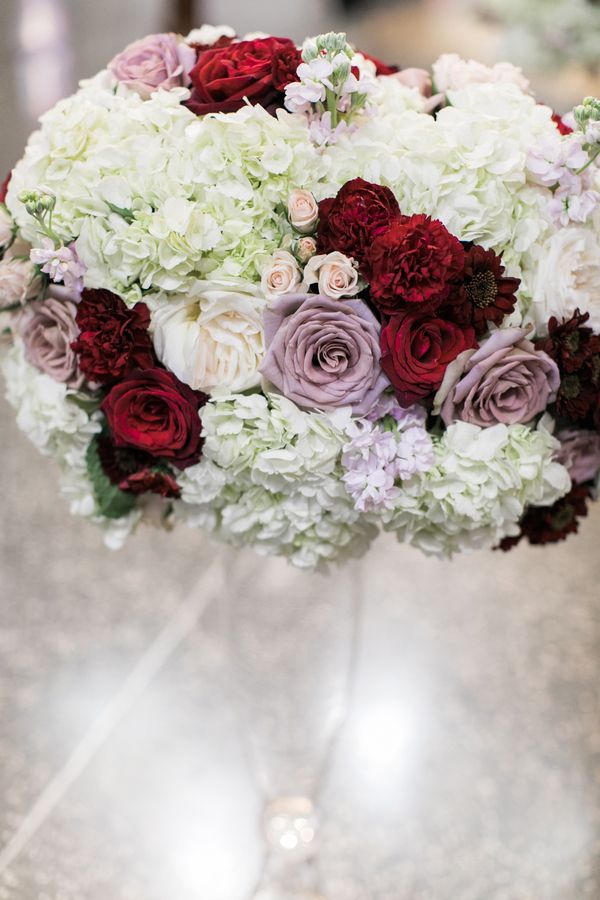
[[415, 351], [484, 295], [382, 68], [414, 262], [258, 70], [550, 524], [154, 412], [351, 221], [576, 350], [113, 339], [562, 126], [134, 471], [4, 188]]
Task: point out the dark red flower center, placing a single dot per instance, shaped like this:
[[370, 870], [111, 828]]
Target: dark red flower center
[[482, 289]]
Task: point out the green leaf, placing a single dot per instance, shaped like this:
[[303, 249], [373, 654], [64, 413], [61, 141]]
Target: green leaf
[[126, 214], [110, 500]]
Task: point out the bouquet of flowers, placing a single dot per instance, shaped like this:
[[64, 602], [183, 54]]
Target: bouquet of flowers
[[294, 295]]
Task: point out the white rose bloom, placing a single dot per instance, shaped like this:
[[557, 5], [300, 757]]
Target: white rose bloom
[[6, 227], [451, 73], [303, 211], [281, 275], [567, 277], [336, 275], [212, 338]]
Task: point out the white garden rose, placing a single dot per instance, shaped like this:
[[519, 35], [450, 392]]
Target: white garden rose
[[567, 278], [303, 211], [212, 338], [336, 275], [281, 275]]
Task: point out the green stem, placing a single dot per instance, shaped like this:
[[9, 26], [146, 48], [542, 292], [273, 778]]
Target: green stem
[[594, 156]]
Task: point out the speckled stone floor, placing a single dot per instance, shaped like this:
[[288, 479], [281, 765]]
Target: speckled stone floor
[[139, 733]]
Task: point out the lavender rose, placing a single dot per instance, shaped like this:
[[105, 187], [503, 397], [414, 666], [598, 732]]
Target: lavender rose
[[48, 328], [580, 454], [324, 354], [156, 61], [505, 381]]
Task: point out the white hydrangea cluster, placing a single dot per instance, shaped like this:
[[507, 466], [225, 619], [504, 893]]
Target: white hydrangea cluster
[[477, 491], [270, 477]]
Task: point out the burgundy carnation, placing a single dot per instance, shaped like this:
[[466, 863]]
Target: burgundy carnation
[[416, 350], [550, 524], [113, 339], [576, 350], [154, 412], [259, 70], [414, 262], [484, 295], [351, 221], [134, 471]]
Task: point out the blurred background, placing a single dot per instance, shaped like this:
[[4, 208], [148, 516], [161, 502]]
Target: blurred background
[[443, 718]]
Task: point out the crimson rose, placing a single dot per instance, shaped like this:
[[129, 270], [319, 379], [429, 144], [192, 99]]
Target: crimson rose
[[113, 339], [415, 351], [257, 70], [154, 412], [414, 262], [351, 221]]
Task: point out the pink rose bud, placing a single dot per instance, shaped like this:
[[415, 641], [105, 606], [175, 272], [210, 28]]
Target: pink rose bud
[[306, 249], [157, 61], [303, 211]]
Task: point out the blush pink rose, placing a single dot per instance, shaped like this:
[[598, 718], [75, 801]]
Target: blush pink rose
[[156, 61], [505, 381]]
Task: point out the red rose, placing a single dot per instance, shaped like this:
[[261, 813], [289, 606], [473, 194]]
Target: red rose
[[415, 351], [154, 412], [113, 339], [133, 471], [257, 70], [352, 220], [414, 262]]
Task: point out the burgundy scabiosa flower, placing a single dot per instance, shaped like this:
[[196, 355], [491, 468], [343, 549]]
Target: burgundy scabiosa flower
[[550, 524]]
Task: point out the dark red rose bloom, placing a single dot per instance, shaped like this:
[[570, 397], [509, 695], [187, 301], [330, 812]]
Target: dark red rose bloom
[[134, 471], [351, 221], [550, 524], [154, 412], [576, 350], [4, 188], [258, 70], [484, 295], [113, 339], [382, 68], [415, 351], [414, 262], [562, 126]]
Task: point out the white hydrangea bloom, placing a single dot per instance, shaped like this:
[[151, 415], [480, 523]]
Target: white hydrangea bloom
[[478, 488]]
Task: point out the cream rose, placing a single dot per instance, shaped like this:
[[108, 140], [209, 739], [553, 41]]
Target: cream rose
[[213, 340], [281, 275], [18, 282], [6, 227], [567, 277], [303, 211], [335, 274]]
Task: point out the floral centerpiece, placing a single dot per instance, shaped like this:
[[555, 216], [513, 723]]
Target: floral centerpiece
[[294, 295]]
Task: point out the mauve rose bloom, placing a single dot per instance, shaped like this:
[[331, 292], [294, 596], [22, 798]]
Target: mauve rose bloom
[[505, 381], [47, 328], [579, 453], [156, 61], [324, 354]]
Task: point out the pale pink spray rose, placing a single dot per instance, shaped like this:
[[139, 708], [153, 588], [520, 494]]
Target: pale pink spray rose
[[505, 381], [156, 61], [47, 328], [18, 281], [324, 354], [306, 249], [281, 275], [579, 453], [303, 211], [336, 275]]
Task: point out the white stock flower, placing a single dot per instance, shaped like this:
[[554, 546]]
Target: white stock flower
[[281, 275], [567, 277], [336, 275], [211, 338]]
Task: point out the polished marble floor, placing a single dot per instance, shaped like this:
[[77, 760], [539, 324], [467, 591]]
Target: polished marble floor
[[141, 732]]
